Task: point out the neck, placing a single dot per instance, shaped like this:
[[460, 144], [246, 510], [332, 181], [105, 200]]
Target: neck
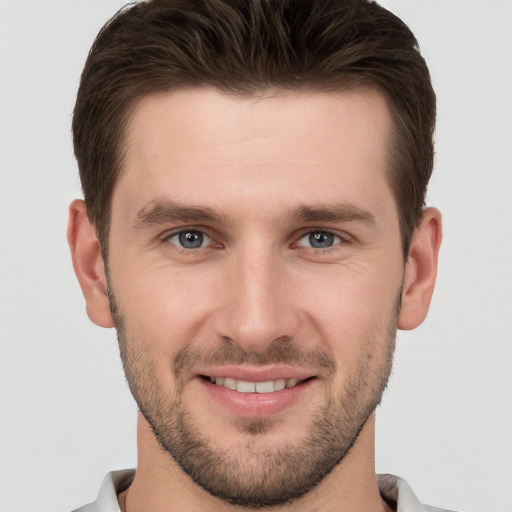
[[160, 484]]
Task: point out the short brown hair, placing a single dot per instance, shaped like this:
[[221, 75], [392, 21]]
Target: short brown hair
[[246, 47]]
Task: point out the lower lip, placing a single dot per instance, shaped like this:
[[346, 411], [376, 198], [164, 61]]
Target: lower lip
[[256, 405]]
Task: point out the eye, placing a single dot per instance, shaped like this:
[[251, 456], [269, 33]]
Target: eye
[[319, 240], [190, 239]]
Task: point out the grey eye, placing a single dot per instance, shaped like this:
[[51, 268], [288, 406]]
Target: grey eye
[[319, 240], [190, 239]]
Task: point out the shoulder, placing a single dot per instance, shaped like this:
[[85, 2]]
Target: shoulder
[[398, 492], [114, 483]]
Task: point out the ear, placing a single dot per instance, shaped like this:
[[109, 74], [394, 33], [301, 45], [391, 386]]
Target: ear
[[88, 264], [421, 270]]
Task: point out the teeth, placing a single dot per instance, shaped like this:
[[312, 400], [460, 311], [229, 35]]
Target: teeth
[[290, 383], [255, 387], [264, 387], [229, 383], [279, 384], [246, 387]]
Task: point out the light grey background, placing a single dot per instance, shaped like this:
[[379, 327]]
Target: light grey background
[[66, 416]]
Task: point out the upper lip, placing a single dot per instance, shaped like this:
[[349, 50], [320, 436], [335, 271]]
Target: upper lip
[[256, 374]]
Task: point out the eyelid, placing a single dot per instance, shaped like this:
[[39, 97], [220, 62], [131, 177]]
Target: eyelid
[[206, 240], [180, 229], [169, 234], [343, 237]]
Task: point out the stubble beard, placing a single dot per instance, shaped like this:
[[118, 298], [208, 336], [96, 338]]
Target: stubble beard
[[263, 475]]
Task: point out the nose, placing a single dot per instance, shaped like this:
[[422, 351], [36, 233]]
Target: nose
[[257, 305]]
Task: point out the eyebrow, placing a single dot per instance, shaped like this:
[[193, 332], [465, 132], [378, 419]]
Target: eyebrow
[[162, 212], [159, 212], [333, 213]]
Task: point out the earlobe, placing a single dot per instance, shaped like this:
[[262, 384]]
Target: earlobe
[[421, 270], [88, 264]]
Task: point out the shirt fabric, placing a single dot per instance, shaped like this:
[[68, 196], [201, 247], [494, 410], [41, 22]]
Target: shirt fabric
[[395, 490]]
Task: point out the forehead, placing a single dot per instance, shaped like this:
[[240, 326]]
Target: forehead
[[202, 115], [205, 147]]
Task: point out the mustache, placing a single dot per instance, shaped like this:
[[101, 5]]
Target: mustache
[[280, 351]]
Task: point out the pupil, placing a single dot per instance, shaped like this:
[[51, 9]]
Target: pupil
[[321, 240], [191, 239]]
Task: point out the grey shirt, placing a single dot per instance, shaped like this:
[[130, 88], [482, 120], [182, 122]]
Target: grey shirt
[[394, 489]]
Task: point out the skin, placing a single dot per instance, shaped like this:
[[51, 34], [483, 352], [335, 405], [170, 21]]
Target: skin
[[263, 165]]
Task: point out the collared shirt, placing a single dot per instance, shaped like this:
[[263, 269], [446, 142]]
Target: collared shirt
[[394, 489]]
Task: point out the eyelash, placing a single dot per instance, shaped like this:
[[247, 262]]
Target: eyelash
[[324, 232], [341, 239], [167, 237]]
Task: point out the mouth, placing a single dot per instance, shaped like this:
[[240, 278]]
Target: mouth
[[251, 391], [260, 387]]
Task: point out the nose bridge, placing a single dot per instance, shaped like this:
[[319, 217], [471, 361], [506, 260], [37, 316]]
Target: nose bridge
[[258, 309]]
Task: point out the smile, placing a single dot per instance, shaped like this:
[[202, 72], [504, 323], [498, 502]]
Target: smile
[[242, 386], [256, 392]]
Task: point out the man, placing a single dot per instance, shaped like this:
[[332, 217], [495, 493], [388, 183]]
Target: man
[[254, 227]]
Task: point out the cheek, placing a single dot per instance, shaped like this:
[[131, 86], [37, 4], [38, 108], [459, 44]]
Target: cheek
[[353, 309], [164, 309], [342, 306]]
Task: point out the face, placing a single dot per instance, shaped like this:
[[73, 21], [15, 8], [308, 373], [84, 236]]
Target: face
[[255, 272]]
